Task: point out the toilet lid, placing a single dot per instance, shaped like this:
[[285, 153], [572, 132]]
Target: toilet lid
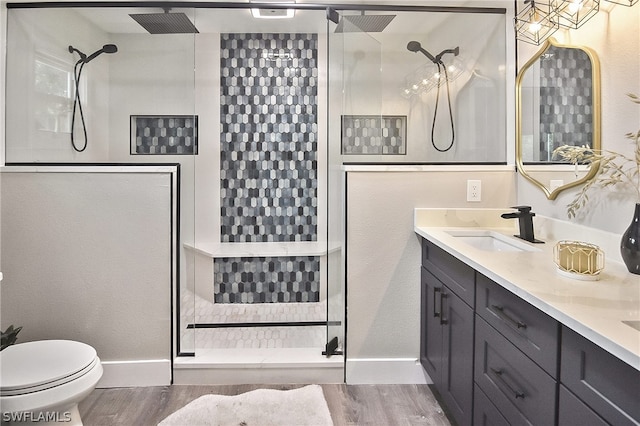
[[32, 366]]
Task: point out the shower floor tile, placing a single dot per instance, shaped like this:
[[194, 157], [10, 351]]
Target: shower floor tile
[[196, 309]]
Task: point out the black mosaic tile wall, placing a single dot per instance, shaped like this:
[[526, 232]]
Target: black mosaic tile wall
[[174, 135], [374, 134], [268, 141], [566, 98], [266, 279]]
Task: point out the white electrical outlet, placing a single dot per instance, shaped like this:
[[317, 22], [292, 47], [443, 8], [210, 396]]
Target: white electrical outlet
[[474, 190]]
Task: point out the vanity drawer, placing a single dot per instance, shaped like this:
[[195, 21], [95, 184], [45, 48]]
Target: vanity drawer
[[484, 412], [455, 274], [609, 386], [531, 330], [522, 391]]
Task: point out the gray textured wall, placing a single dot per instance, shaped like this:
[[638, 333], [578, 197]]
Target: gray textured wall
[[87, 257]]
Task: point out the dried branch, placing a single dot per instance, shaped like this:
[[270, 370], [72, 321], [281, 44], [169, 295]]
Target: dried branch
[[615, 168]]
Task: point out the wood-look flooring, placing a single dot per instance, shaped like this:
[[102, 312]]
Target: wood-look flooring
[[378, 405]]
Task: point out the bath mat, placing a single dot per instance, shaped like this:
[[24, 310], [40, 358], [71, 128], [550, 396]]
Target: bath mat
[[261, 407]]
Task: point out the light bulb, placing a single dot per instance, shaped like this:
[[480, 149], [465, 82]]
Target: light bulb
[[534, 21], [534, 27], [575, 6]]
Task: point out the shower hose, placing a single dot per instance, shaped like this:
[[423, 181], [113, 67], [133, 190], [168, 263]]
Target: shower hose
[[77, 72], [435, 111]]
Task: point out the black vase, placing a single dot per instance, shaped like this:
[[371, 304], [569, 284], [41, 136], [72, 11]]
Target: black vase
[[630, 244]]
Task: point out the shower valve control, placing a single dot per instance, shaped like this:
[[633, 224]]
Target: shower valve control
[[474, 190]]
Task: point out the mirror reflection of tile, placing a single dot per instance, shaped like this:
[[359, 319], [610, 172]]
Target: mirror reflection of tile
[[566, 99], [164, 135], [374, 134]]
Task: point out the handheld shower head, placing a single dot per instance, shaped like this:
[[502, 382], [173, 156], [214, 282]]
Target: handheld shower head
[[107, 48], [77, 101], [415, 46]]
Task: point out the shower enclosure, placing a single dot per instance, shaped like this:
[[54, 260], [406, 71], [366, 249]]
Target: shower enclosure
[[261, 106]]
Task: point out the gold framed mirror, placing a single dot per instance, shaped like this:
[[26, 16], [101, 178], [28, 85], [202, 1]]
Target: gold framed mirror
[[557, 103]]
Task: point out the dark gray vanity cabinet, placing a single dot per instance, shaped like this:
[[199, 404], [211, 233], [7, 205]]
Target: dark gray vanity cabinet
[[596, 383], [446, 342], [516, 355], [496, 359]]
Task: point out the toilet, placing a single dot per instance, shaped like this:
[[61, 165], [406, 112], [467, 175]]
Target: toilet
[[42, 382]]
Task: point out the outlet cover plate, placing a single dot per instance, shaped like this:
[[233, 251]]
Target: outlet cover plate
[[474, 191]]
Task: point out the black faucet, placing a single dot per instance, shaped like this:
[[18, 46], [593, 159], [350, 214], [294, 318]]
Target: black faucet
[[525, 220]]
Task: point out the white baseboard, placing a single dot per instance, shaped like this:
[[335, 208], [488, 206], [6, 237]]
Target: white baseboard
[[119, 374], [372, 371]]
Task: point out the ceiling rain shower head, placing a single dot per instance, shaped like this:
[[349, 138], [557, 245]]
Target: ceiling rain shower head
[[165, 23], [363, 23]]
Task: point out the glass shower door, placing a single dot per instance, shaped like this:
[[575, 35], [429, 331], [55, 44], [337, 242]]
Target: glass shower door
[[354, 112]]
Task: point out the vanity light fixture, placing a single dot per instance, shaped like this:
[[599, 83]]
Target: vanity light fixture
[[537, 21], [428, 76], [573, 14], [273, 56]]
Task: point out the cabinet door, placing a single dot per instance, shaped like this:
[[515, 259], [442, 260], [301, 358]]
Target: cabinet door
[[431, 349], [457, 381], [606, 384]]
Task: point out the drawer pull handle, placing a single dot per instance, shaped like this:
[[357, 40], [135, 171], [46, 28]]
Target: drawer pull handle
[[499, 311], [498, 374], [443, 320], [436, 314]]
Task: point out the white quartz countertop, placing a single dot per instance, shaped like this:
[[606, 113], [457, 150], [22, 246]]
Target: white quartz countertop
[[594, 309]]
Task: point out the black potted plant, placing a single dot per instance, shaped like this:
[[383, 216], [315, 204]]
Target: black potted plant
[[9, 337]]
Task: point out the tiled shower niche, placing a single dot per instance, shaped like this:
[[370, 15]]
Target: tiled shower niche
[[266, 279], [374, 134], [268, 141], [173, 135]]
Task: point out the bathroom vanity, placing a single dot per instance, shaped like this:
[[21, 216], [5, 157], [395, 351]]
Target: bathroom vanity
[[508, 340]]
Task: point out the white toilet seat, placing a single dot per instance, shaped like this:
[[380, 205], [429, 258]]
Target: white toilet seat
[[34, 366], [45, 374]]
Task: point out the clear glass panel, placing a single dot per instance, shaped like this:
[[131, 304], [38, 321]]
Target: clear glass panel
[[469, 123], [260, 222], [355, 107], [126, 95]]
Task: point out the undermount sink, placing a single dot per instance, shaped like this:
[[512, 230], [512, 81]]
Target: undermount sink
[[633, 324], [489, 240]]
